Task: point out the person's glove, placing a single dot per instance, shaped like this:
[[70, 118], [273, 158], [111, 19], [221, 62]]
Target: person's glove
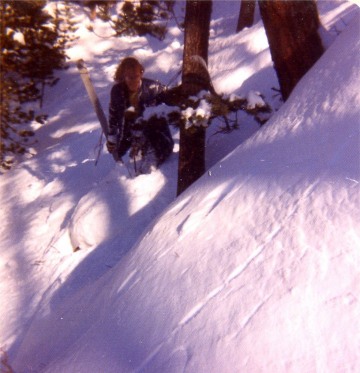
[[110, 146]]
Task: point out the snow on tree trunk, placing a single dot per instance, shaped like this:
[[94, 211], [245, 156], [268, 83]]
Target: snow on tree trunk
[[292, 32]]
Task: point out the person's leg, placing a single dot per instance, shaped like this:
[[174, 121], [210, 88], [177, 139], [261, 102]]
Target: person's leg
[[161, 140]]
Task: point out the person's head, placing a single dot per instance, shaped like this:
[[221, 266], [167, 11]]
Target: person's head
[[130, 71]]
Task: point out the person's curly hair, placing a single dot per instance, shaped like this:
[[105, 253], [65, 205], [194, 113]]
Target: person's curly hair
[[127, 63]]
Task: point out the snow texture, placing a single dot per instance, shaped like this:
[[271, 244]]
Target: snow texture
[[254, 268]]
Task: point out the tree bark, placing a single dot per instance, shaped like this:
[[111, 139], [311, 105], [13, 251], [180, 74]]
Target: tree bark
[[246, 15], [194, 79], [292, 31]]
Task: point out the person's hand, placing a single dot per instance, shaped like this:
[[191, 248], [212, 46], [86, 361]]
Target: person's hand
[[110, 146]]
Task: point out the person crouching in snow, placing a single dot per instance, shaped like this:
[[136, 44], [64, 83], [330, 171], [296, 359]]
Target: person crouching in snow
[[130, 95]]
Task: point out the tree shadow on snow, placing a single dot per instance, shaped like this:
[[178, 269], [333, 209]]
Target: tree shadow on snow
[[95, 264]]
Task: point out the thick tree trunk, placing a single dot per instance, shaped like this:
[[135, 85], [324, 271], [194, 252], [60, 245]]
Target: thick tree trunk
[[246, 15], [194, 79], [292, 31]]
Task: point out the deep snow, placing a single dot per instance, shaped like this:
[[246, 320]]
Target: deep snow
[[255, 268]]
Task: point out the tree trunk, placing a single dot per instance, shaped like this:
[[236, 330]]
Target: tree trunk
[[292, 31], [246, 16], [194, 79]]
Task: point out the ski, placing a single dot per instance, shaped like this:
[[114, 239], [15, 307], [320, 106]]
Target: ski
[[85, 76]]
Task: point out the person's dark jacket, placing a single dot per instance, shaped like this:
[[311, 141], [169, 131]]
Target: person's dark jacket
[[151, 93]]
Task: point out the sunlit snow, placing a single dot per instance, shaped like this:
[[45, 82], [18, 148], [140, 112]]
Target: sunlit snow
[[254, 268]]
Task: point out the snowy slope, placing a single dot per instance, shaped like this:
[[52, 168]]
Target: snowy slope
[[255, 268], [57, 201]]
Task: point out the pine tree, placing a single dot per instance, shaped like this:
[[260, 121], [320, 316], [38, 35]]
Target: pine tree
[[31, 50], [292, 31], [135, 18], [246, 15], [196, 43]]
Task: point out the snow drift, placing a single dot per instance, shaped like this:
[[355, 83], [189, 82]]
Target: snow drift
[[255, 268]]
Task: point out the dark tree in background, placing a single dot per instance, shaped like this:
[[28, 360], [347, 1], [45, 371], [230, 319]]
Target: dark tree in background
[[246, 15], [32, 48], [146, 17], [292, 31], [93, 4], [194, 79], [134, 17]]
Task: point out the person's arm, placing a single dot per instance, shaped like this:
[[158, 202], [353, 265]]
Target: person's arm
[[170, 96], [116, 113], [117, 136], [152, 92]]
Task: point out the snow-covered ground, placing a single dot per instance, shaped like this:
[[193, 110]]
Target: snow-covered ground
[[254, 268]]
